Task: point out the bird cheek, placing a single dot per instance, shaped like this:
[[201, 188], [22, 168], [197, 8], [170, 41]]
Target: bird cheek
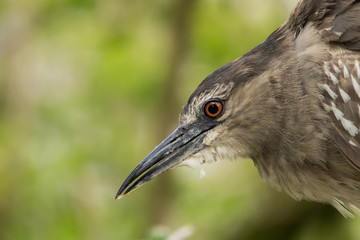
[[211, 136]]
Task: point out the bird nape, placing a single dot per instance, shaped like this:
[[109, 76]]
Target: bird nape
[[292, 105]]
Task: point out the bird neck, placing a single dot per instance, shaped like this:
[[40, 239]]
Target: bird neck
[[291, 104]]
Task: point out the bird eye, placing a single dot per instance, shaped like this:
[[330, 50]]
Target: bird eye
[[213, 108]]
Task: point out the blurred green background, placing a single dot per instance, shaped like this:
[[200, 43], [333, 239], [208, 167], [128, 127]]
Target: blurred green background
[[89, 87]]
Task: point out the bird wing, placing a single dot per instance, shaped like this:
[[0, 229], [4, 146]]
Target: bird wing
[[345, 27], [341, 89], [341, 92]]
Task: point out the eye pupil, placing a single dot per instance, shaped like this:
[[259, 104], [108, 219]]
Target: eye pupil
[[213, 108]]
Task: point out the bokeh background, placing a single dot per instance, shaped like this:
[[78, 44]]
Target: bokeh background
[[89, 87]]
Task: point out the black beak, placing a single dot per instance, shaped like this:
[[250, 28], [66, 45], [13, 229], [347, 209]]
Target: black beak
[[185, 141]]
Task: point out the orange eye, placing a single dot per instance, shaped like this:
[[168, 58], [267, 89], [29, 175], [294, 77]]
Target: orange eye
[[213, 108]]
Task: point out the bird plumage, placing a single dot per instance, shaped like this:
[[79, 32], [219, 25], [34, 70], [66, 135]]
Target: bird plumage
[[325, 44], [292, 104]]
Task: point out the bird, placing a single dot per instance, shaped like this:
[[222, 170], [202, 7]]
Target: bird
[[291, 104]]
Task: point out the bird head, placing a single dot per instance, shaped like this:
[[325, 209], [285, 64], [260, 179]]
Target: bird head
[[231, 114]]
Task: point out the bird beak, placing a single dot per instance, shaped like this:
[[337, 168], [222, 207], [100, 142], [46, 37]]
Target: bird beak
[[185, 141]]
